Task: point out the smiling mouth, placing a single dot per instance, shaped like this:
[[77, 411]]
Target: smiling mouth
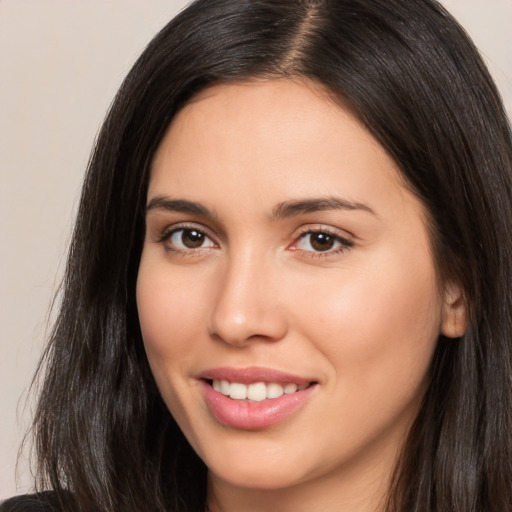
[[254, 398], [257, 391]]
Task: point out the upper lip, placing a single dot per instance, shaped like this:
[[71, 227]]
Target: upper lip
[[249, 375]]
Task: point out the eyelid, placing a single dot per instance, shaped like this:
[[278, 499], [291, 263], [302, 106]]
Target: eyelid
[[324, 228], [347, 242], [165, 234]]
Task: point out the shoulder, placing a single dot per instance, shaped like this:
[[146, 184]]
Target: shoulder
[[41, 502]]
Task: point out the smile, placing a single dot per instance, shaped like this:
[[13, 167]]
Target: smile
[[257, 391], [254, 398]]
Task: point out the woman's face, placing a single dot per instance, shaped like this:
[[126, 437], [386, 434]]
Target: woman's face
[[286, 265]]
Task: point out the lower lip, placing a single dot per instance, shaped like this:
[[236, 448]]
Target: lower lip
[[253, 415]]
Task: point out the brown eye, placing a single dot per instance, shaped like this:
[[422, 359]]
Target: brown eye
[[186, 239], [321, 241], [192, 238]]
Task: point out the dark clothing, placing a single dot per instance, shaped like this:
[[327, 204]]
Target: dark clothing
[[42, 502]]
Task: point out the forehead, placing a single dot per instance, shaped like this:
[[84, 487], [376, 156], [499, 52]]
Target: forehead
[[264, 142]]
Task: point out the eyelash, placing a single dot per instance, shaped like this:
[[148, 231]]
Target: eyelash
[[166, 236], [344, 244]]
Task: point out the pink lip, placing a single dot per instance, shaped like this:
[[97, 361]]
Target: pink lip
[[252, 374], [253, 415]]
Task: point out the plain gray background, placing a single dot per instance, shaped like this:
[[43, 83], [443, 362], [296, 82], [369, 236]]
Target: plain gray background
[[61, 62]]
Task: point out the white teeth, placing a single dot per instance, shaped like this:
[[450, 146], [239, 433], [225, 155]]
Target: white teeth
[[224, 387], [238, 391], [290, 388], [255, 392], [274, 390]]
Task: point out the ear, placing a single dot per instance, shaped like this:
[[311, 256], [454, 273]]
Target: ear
[[454, 319]]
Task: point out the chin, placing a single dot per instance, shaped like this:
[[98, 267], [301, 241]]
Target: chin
[[258, 466], [257, 478]]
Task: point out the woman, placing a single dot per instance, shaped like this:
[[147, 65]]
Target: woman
[[289, 282]]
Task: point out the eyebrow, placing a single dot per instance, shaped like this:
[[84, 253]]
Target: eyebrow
[[178, 205], [302, 206], [282, 210]]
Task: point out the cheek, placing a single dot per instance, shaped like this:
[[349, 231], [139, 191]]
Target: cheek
[[169, 313], [169, 328], [375, 322]]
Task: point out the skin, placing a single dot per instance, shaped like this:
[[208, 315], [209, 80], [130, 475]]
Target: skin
[[361, 318]]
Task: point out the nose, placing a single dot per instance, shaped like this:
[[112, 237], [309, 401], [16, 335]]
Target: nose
[[246, 305]]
